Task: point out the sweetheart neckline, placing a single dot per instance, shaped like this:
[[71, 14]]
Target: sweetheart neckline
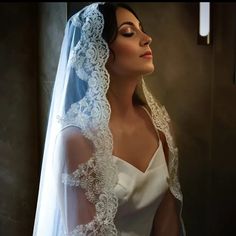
[[149, 164]]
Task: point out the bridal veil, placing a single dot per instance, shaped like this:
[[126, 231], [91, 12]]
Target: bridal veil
[[78, 175]]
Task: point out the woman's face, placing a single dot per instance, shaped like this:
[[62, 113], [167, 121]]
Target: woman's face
[[133, 56]]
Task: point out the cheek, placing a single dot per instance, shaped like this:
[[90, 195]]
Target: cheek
[[125, 56], [125, 51]]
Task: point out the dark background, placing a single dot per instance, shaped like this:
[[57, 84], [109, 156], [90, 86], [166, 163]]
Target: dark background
[[195, 83]]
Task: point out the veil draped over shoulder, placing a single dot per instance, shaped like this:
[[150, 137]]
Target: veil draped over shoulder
[[78, 176]]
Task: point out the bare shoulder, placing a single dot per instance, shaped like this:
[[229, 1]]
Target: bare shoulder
[[73, 135], [78, 149]]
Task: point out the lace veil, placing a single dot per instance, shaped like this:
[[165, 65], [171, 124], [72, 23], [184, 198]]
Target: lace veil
[[78, 175]]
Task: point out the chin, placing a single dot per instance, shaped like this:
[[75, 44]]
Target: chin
[[149, 70]]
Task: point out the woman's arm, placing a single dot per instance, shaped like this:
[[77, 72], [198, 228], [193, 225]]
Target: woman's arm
[[76, 151], [166, 221]]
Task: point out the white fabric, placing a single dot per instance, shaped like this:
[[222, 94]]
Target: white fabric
[[139, 194]]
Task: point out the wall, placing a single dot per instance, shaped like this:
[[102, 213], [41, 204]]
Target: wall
[[19, 162], [30, 40], [222, 192]]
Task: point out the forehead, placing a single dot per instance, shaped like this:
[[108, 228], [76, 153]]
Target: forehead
[[124, 15]]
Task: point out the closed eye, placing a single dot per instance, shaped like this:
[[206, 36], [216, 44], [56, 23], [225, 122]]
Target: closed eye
[[128, 34]]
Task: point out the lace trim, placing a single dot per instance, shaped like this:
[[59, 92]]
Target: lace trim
[[86, 177], [98, 176], [102, 224], [161, 121], [106, 204]]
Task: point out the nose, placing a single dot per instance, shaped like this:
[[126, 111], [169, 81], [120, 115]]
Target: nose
[[146, 40]]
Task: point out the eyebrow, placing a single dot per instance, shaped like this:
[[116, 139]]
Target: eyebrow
[[130, 23]]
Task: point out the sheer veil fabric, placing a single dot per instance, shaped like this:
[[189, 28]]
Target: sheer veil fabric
[[78, 176]]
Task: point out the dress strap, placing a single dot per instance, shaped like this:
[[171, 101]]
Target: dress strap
[[158, 134]]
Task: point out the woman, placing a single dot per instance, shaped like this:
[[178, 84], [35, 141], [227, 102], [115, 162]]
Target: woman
[[110, 163]]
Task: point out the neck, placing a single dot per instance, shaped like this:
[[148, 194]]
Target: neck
[[120, 95]]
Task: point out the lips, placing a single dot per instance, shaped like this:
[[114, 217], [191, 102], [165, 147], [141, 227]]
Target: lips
[[148, 53]]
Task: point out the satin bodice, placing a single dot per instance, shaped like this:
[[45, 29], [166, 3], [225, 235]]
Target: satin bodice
[[139, 194]]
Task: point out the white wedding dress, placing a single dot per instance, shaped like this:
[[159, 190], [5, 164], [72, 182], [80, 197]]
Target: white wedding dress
[[139, 194]]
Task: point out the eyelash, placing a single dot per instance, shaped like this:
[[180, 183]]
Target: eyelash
[[128, 34]]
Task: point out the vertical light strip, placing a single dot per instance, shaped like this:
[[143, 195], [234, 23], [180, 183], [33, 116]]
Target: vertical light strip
[[204, 20]]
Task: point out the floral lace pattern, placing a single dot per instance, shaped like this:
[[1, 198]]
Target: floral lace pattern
[[85, 177], [102, 223]]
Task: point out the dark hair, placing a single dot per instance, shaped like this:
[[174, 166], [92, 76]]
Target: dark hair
[[108, 10]]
